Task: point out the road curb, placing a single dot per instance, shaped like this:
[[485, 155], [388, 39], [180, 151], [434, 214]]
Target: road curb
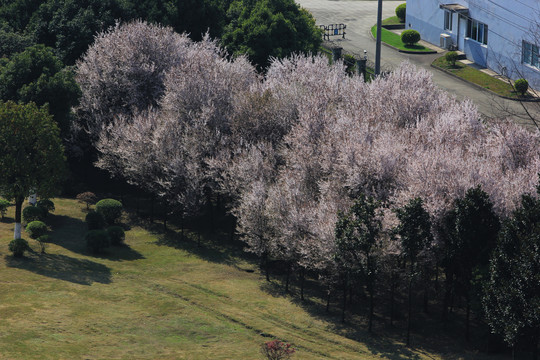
[[481, 87]]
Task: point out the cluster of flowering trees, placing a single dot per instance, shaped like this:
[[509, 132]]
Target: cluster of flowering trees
[[305, 153]]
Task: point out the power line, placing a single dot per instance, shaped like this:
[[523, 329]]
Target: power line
[[511, 11]]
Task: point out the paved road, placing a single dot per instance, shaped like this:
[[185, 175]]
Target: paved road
[[361, 15]]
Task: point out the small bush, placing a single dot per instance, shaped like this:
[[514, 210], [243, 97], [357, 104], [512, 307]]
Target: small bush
[[44, 238], [47, 205], [277, 350], [451, 57], [33, 213], [521, 86], [401, 11], [18, 247], [110, 209], [4, 204], [89, 198], [95, 221], [97, 241], [410, 37], [116, 235], [36, 229]]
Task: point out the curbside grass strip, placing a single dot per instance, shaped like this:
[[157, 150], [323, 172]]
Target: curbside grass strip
[[427, 52], [480, 87]]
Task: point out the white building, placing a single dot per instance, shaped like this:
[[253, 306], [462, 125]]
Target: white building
[[503, 35]]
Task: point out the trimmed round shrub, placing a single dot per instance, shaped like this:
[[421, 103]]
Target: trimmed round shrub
[[410, 37], [44, 238], [33, 213], [401, 12], [47, 205], [97, 240], [451, 57], [110, 209], [18, 247], [4, 204], [95, 220], [521, 86], [116, 235], [36, 229]]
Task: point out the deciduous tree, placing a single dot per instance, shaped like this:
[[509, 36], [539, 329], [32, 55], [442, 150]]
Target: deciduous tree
[[32, 156]]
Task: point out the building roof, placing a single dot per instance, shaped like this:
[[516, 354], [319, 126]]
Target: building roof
[[455, 8]]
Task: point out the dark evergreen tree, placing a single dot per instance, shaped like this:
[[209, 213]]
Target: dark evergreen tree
[[357, 233], [512, 292], [414, 230]]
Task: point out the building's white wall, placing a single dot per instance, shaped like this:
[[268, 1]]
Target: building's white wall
[[427, 18], [509, 22]]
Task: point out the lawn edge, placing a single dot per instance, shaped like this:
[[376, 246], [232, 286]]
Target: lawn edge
[[480, 86], [429, 52]]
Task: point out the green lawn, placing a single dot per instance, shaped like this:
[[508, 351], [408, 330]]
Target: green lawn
[[393, 20], [394, 40], [478, 77], [163, 297]]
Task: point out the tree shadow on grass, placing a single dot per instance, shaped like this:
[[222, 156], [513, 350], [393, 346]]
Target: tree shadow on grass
[[221, 253], [386, 345], [79, 271], [69, 233], [429, 335]]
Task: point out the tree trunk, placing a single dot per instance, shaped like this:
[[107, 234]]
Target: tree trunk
[[371, 305], [266, 265], [447, 295], [409, 307], [18, 216], [165, 216], [328, 292], [152, 209], [344, 298], [182, 226], [426, 289], [392, 296], [535, 343], [287, 277], [467, 316], [302, 278], [233, 227]]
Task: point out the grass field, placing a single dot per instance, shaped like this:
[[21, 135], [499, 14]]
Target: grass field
[[394, 40], [162, 297], [476, 76]]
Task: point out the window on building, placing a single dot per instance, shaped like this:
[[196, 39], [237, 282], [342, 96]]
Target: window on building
[[477, 31], [529, 54], [447, 20]]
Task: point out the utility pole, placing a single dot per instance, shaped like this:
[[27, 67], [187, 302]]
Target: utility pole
[[378, 45]]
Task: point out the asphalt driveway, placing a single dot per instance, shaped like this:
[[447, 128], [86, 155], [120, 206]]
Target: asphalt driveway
[[361, 15]]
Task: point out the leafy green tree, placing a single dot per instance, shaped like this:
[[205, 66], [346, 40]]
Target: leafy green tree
[[36, 75], [32, 156], [13, 42], [69, 26], [15, 14], [473, 237], [512, 292], [414, 230], [196, 17], [270, 28], [357, 232]]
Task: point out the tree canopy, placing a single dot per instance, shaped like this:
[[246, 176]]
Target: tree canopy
[[270, 28], [37, 75], [32, 156]]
